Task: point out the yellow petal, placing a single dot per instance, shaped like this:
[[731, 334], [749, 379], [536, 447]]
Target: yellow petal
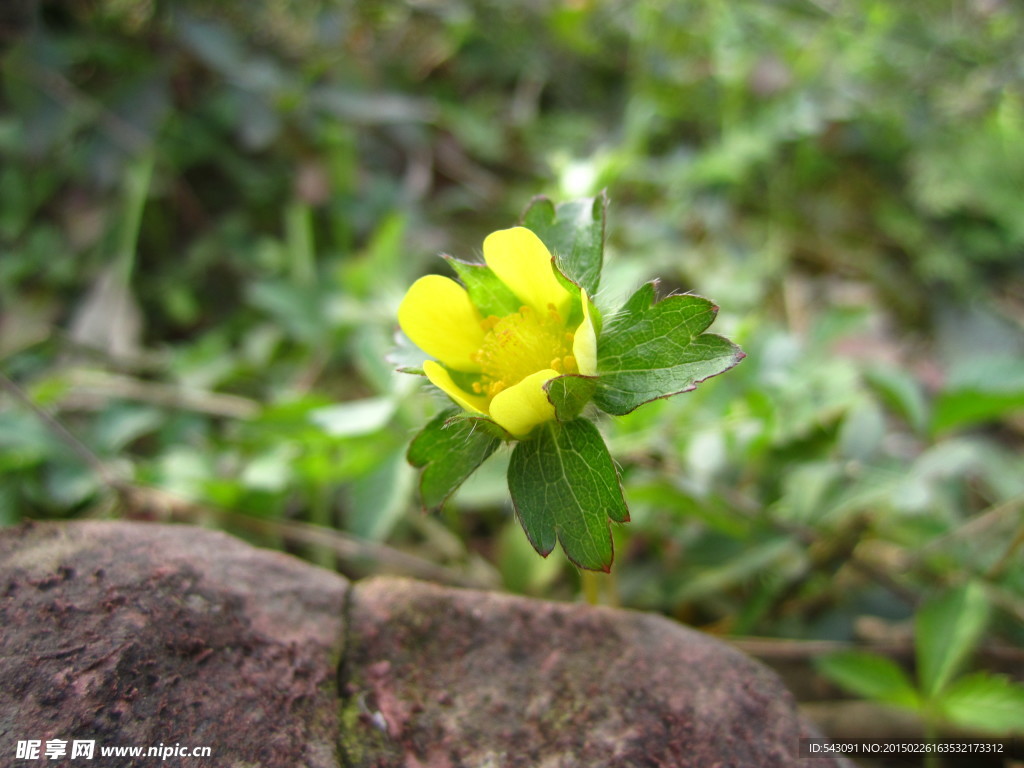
[[438, 316], [523, 406], [441, 379], [584, 341], [523, 263]]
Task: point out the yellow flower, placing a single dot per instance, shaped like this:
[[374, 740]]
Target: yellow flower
[[497, 366]]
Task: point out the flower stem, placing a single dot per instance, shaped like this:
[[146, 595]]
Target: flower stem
[[591, 587], [594, 583]]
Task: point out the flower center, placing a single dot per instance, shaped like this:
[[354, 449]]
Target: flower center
[[520, 344]]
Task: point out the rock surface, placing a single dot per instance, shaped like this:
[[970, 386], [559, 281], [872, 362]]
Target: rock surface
[[137, 634], [133, 634], [521, 683]]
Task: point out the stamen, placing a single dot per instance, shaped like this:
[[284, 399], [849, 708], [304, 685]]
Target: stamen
[[520, 344]]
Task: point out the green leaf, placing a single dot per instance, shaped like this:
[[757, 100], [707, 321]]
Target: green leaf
[[564, 487], [487, 292], [862, 431], [299, 309], [356, 417], [448, 450], [574, 232], [651, 350], [901, 392], [979, 391], [755, 562], [967, 408], [122, 423], [569, 394], [377, 500], [870, 676], [987, 702], [947, 628]]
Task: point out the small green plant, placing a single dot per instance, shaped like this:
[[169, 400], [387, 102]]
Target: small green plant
[[522, 349], [947, 629]]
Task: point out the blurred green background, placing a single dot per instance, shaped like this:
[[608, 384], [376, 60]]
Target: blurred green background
[[209, 212]]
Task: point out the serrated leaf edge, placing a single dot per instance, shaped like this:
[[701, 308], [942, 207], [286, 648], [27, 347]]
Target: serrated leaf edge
[[421, 468], [539, 549], [738, 357]]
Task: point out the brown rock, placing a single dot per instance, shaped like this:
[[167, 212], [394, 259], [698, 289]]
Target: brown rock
[[133, 634], [446, 678]]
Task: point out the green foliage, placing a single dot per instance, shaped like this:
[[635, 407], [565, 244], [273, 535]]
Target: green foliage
[[654, 349], [986, 702], [564, 486], [947, 630], [979, 392], [870, 676], [448, 449]]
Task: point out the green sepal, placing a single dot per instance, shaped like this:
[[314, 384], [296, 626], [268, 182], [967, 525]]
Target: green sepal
[[484, 423], [565, 488], [487, 292], [574, 232], [596, 317], [650, 350], [569, 394], [448, 450]]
